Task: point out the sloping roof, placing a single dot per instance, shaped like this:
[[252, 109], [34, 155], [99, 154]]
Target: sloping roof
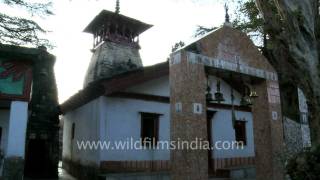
[[20, 52], [236, 42], [108, 16], [114, 84], [122, 81], [197, 39]]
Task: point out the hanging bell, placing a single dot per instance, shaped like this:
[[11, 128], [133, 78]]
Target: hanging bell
[[218, 96], [209, 95], [245, 101], [253, 94], [246, 97]]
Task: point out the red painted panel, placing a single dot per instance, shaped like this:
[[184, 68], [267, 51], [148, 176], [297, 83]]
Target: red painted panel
[[18, 70]]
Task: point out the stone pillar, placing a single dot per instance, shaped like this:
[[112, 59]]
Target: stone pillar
[[14, 157], [268, 131], [188, 117]]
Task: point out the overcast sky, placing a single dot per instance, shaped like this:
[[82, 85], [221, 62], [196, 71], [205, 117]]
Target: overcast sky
[[173, 20]]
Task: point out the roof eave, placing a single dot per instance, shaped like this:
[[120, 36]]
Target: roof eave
[[89, 28]]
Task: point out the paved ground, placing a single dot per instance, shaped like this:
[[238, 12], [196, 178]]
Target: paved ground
[[63, 175]]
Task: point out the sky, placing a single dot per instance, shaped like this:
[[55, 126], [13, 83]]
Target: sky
[[172, 20]]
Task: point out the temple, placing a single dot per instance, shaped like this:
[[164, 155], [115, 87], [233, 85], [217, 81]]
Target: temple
[[213, 110], [115, 45], [218, 90]]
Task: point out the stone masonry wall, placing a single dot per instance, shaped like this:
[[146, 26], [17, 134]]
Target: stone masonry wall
[[235, 47], [293, 136], [188, 118]]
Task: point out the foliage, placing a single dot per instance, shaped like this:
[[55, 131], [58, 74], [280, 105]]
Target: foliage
[[177, 45], [305, 165], [248, 18], [201, 30], [289, 45], [24, 31]]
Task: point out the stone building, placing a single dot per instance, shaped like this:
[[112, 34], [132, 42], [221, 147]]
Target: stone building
[[219, 88], [28, 113], [296, 124]]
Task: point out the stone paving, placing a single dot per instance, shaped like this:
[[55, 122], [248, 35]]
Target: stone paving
[[63, 175]]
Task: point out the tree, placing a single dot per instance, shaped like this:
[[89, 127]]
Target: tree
[[292, 31], [177, 46], [248, 20], [305, 165], [201, 30], [23, 31], [288, 32]]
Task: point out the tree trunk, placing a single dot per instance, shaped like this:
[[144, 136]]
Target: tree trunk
[[293, 29]]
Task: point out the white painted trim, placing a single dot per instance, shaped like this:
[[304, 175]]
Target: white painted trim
[[227, 65], [17, 129]]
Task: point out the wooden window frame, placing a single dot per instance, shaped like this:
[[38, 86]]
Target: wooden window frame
[[144, 117], [73, 130], [1, 132], [243, 131]]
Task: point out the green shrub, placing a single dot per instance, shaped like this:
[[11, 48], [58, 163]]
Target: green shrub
[[305, 165]]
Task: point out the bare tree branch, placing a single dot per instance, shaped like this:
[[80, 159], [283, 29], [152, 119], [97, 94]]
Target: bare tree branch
[[22, 31], [40, 9]]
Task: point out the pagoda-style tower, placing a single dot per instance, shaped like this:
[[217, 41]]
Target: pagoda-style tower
[[115, 45]]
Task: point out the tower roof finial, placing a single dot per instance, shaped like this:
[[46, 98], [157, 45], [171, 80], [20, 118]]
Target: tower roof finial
[[227, 17], [117, 7]]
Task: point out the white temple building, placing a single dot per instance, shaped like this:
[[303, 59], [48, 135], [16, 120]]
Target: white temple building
[[122, 101]]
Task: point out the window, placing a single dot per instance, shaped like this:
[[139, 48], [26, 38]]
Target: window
[[0, 136], [73, 131], [149, 129], [240, 131]]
